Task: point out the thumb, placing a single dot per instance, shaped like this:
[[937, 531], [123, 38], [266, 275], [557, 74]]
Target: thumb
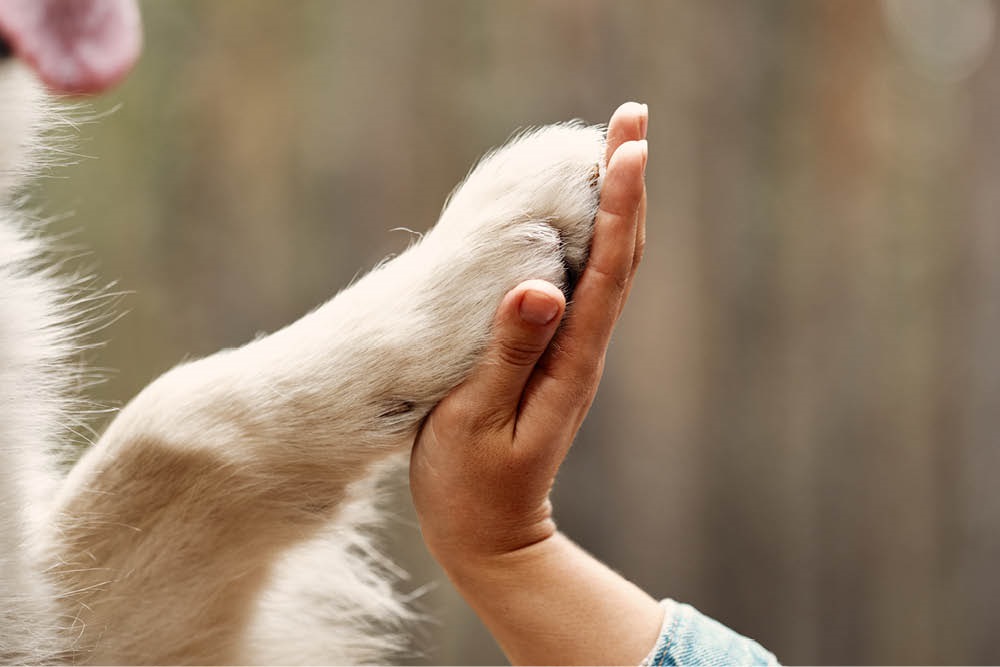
[[525, 323]]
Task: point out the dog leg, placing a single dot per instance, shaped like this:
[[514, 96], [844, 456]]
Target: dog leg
[[168, 527]]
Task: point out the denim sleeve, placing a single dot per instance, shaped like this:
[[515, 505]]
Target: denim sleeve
[[688, 637]]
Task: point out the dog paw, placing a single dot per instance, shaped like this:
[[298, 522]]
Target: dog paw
[[537, 194], [412, 329]]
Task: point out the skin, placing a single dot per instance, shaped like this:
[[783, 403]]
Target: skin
[[485, 461]]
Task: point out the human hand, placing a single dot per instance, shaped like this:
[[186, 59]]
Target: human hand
[[485, 461]]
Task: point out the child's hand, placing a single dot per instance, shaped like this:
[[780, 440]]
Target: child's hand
[[485, 461]]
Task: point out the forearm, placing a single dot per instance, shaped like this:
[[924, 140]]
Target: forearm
[[553, 603]]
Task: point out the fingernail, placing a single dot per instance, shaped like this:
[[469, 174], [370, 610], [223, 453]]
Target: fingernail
[[538, 308], [645, 154], [644, 121]]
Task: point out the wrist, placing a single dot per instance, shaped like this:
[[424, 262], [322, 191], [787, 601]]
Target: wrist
[[473, 552], [491, 583]]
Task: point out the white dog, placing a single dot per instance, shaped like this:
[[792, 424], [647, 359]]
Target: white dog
[[219, 518]]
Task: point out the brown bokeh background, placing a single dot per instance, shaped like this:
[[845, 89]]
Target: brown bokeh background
[[798, 427]]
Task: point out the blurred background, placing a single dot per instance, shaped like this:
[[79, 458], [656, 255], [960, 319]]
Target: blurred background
[[798, 427]]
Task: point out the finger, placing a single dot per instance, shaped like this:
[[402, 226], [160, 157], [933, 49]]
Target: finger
[[567, 376], [628, 123], [525, 322], [638, 251], [640, 237], [602, 285]]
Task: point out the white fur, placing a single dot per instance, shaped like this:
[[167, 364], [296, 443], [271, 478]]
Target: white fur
[[34, 345], [222, 517]]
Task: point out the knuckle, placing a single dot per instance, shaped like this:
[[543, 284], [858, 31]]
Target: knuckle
[[519, 353], [615, 278], [588, 375]]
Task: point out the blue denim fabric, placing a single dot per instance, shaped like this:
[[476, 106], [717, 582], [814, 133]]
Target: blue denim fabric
[[689, 637]]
